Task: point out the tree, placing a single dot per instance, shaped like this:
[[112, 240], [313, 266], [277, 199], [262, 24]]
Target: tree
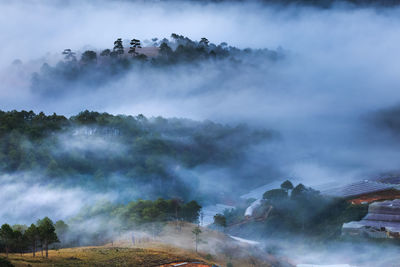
[[197, 231], [89, 57], [275, 194], [191, 211], [6, 236], [204, 41], [105, 52], [118, 47], [220, 220], [69, 55], [61, 230], [298, 191], [47, 233], [154, 40], [32, 235], [135, 43], [19, 240], [287, 185], [165, 51]]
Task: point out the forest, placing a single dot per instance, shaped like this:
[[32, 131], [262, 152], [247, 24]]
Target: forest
[[97, 68], [91, 147]]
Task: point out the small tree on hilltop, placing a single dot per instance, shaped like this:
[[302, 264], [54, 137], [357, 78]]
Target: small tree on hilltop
[[118, 47], [135, 43], [287, 185], [47, 233], [105, 52], [89, 57], [69, 55], [204, 41], [6, 236], [275, 195], [197, 231]]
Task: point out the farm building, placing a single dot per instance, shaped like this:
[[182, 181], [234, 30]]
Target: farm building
[[366, 191], [382, 221]]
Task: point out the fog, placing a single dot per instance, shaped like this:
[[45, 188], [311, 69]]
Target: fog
[[339, 68]]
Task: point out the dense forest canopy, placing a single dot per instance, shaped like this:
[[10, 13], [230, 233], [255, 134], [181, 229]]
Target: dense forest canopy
[[91, 147]]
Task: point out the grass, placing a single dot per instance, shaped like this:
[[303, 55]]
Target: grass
[[171, 246], [104, 256]]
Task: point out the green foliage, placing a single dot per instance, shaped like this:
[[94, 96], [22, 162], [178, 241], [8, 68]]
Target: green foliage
[[275, 194], [6, 236], [20, 237], [89, 57], [287, 185], [306, 212], [32, 236], [220, 220], [147, 147]]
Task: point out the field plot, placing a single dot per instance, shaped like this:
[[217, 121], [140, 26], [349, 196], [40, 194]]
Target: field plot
[[103, 256]]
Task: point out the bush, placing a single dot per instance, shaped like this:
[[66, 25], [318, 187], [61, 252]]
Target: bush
[[5, 262], [275, 194]]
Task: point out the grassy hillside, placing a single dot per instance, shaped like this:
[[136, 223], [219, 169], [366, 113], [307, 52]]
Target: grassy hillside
[[104, 256], [175, 244]]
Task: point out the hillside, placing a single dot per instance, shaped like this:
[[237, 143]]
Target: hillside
[[173, 245], [96, 149], [105, 256]]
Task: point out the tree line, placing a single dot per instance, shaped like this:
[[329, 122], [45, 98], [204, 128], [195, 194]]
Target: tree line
[[111, 220], [40, 142], [95, 68], [147, 215], [20, 238]]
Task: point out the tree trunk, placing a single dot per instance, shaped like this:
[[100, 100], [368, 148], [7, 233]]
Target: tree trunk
[[42, 249], [7, 251], [47, 249], [34, 248]]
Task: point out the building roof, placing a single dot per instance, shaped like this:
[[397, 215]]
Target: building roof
[[359, 188], [380, 214]]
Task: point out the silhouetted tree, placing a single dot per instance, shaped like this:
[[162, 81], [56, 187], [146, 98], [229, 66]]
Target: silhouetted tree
[[204, 41], [6, 236], [89, 57], [32, 235], [69, 55], [47, 233], [220, 220], [135, 43], [105, 52], [287, 185], [118, 47], [275, 194]]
